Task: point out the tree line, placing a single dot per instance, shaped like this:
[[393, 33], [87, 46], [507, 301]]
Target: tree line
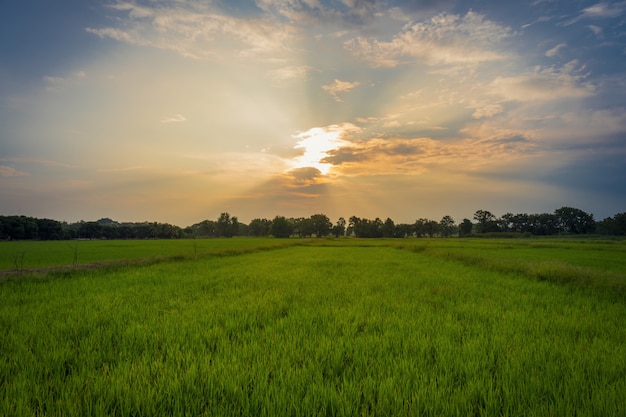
[[565, 220]]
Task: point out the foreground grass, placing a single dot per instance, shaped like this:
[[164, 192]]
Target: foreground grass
[[344, 330], [27, 255]]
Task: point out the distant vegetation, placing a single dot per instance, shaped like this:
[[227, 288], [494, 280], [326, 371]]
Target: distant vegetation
[[565, 220]]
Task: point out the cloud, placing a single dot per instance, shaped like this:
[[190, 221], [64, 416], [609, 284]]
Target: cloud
[[444, 39], [376, 156], [597, 30], [487, 111], [288, 73], [177, 118], [339, 86], [305, 176], [554, 51], [58, 83], [6, 171], [195, 30], [544, 84], [602, 10], [315, 12]]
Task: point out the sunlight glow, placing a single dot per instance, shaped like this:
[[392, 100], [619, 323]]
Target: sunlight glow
[[317, 142]]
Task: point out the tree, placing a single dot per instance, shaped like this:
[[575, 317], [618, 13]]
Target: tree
[[403, 230], [446, 226], [388, 228], [321, 225], [465, 228], [260, 227], [305, 227], [352, 225], [227, 226], [425, 227], [49, 229], [615, 225], [573, 220], [339, 229], [486, 221], [281, 228]]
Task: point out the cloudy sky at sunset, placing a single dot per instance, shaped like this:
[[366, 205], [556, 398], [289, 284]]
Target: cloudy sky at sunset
[[178, 110]]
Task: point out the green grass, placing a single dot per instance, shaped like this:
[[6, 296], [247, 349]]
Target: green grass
[[24, 255], [337, 327]]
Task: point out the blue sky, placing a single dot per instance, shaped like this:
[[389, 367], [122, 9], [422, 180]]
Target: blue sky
[[178, 110]]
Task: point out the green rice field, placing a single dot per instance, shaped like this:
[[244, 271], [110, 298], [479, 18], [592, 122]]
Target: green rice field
[[320, 327]]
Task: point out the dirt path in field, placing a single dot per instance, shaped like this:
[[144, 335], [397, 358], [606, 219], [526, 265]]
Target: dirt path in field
[[78, 267]]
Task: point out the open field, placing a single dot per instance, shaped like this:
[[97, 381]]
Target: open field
[[24, 255], [324, 327]]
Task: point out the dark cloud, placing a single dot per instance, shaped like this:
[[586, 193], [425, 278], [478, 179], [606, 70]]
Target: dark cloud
[[594, 171], [305, 175], [343, 155], [369, 150], [401, 149]]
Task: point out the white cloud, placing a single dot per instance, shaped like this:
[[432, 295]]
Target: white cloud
[[6, 171], [544, 84], [58, 83], [313, 12], [605, 10], [195, 30], [339, 86], [294, 72], [597, 30], [554, 51], [602, 10], [177, 118], [487, 111], [444, 39]]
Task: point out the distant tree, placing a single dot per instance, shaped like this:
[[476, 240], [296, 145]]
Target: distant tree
[[206, 228], [447, 226], [366, 228], [305, 227], [388, 228], [260, 227], [339, 229], [321, 225], [90, 230], [421, 227], [49, 229], [281, 228], [486, 221], [573, 220], [403, 230], [18, 227], [465, 228], [226, 226], [543, 224], [615, 225], [352, 225]]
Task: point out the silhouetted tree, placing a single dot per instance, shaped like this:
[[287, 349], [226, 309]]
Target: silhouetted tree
[[321, 225], [339, 229], [465, 228], [573, 220], [486, 221], [447, 226], [281, 228], [260, 227]]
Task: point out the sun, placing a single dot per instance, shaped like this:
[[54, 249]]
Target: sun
[[316, 143]]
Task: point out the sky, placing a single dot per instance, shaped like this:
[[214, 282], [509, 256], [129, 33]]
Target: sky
[[178, 110]]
